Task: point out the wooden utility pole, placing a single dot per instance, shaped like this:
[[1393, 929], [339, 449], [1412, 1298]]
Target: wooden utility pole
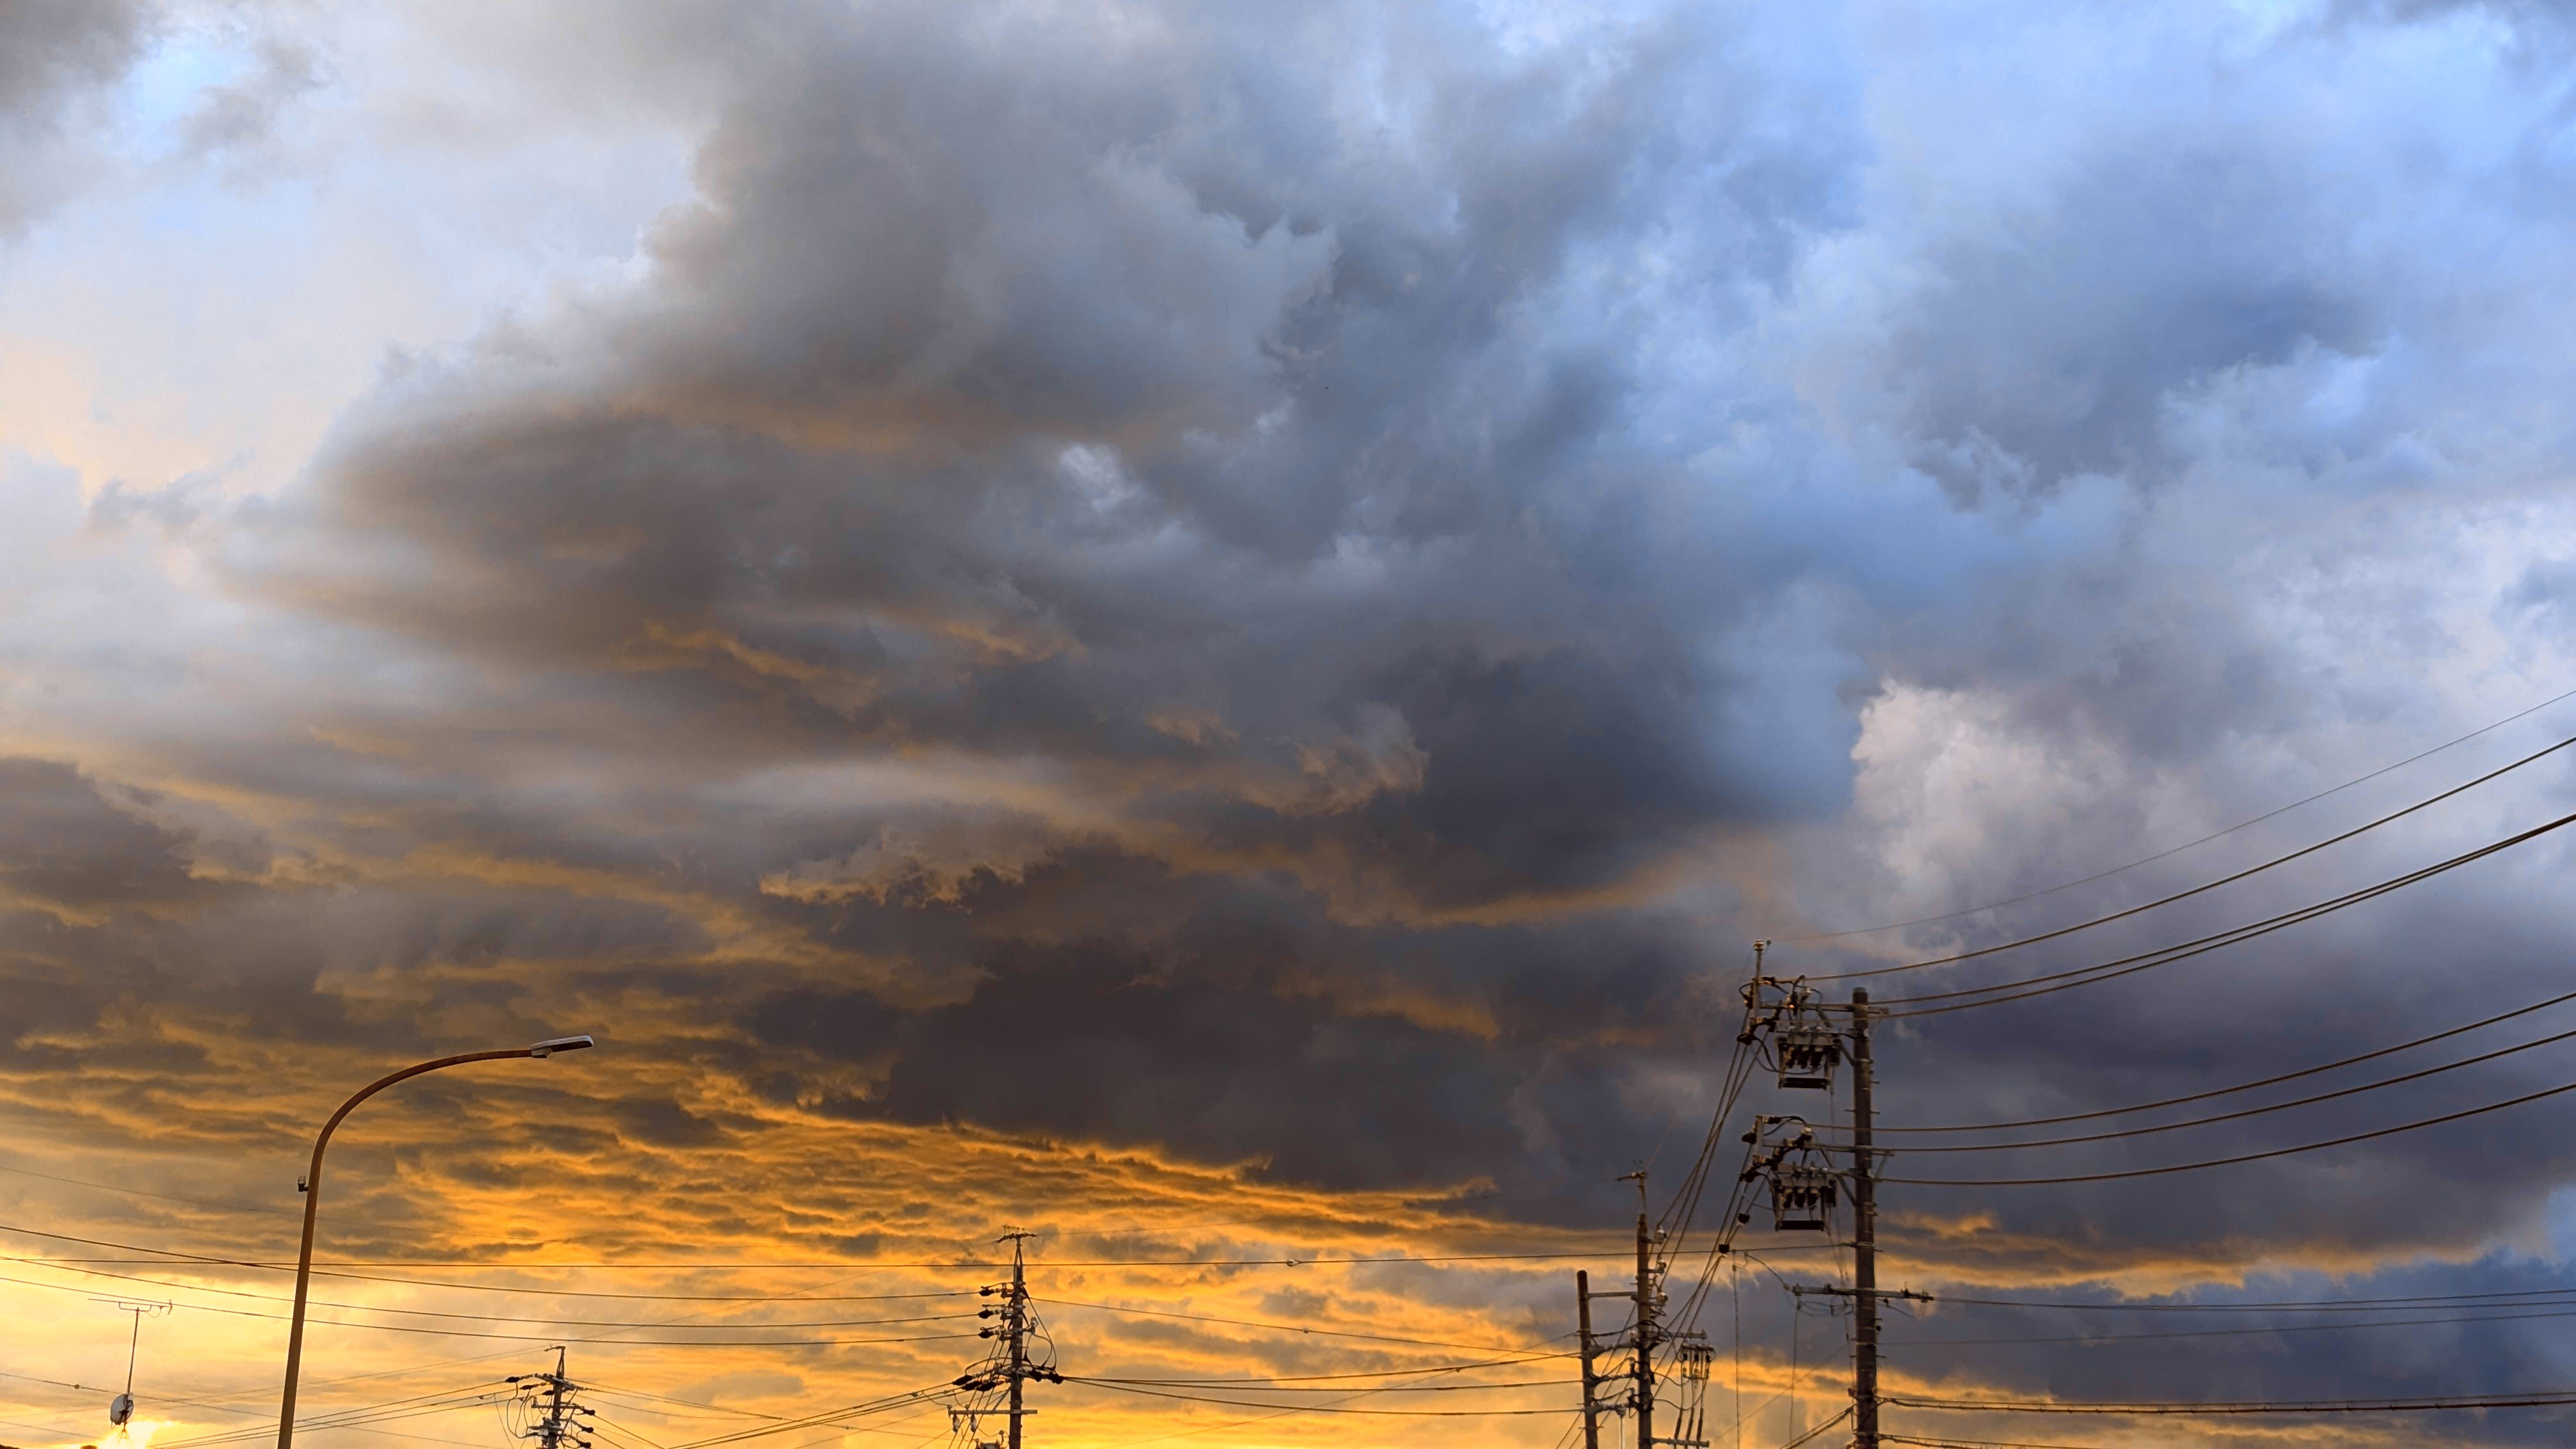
[[1016, 1321], [1646, 1330], [1864, 1239], [1591, 1380]]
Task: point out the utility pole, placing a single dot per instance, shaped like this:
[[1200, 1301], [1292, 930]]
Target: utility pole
[[1591, 1380], [558, 1425], [1864, 1239], [1009, 1365], [1015, 1326], [1646, 1328], [1803, 1188]]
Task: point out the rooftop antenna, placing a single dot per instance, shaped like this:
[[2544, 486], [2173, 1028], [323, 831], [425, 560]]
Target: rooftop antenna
[[120, 1410]]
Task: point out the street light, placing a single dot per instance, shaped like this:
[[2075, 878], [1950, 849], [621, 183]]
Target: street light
[[311, 1187]]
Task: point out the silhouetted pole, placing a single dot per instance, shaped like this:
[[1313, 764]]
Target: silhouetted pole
[[1591, 1380], [1864, 1240], [1645, 1327], [312, 1186], [1019, 1322]]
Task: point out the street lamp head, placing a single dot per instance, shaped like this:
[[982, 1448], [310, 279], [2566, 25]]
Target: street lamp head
[[562, 1044]]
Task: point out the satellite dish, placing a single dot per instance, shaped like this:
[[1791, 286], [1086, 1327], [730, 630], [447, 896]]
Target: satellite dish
[[120, 1409]]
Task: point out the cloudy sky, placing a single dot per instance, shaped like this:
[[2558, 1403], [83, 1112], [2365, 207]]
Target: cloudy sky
[[1210, 630]]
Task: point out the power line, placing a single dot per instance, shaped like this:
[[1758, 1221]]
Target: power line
[[2350, 1061], [436, 1313], [2268, 1328], [64, 1434], [2188, 844], [1445, 1368], [2316, 1305], [1820, 1428], [2231, 1161], [1313, 1408], [561, 1338], [173, 1256], [2308, 1101], [417, 1406], [2546, 1398], [2027, 987], [1298, 1389], [821, 1265], [882, 1404], [117, 1187], [1535, 1350], [2252, 870], [612, 1392], [1280, 1412], [1979, 1442]]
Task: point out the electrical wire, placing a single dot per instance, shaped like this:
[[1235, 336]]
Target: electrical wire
[[2558, 1000], [417, 1406], [1444, 1368], [438, 1313], [551, 1338], [1977, 1442], [2242, 1113], [1279, 1413], [1674, 1225], [206, 1202], [881, 1404], [66, 1435], [1313, 1408], [168, 1257], [269, 1391], [1385, 1389], [2233, 1332], [1820, 1428], [1535, 1350], [2188, 844], [613, 1392], [2253, 870], [846, 1264], [2027, 987], [2232, 1161], [323, 1267], [2305, 1305], [2544, 1398]]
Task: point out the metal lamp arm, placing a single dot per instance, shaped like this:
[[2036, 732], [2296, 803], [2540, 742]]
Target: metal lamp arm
[[312, 1206]]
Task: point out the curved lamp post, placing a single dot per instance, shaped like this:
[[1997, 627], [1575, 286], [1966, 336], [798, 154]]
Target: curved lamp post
[[312, 1186]]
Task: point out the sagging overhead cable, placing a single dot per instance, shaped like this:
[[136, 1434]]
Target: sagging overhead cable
[[2252, 870]]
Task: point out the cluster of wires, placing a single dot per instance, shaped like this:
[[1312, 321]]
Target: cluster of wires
[[2156, 1119], [1915, 1142], [474, 1396]]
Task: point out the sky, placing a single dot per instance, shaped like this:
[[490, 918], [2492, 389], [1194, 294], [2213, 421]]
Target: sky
[[1210, 630]]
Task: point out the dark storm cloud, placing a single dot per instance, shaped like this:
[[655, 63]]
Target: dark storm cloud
[[1029, 412], [65, 845], [1306, 495], [1290, 588], [1226, 1022]]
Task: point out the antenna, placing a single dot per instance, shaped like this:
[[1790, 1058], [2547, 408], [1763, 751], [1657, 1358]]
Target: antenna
[[120, 1410]]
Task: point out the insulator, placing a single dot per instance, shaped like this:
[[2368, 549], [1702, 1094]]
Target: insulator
[[1807, 1057], [1802, 1198]]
